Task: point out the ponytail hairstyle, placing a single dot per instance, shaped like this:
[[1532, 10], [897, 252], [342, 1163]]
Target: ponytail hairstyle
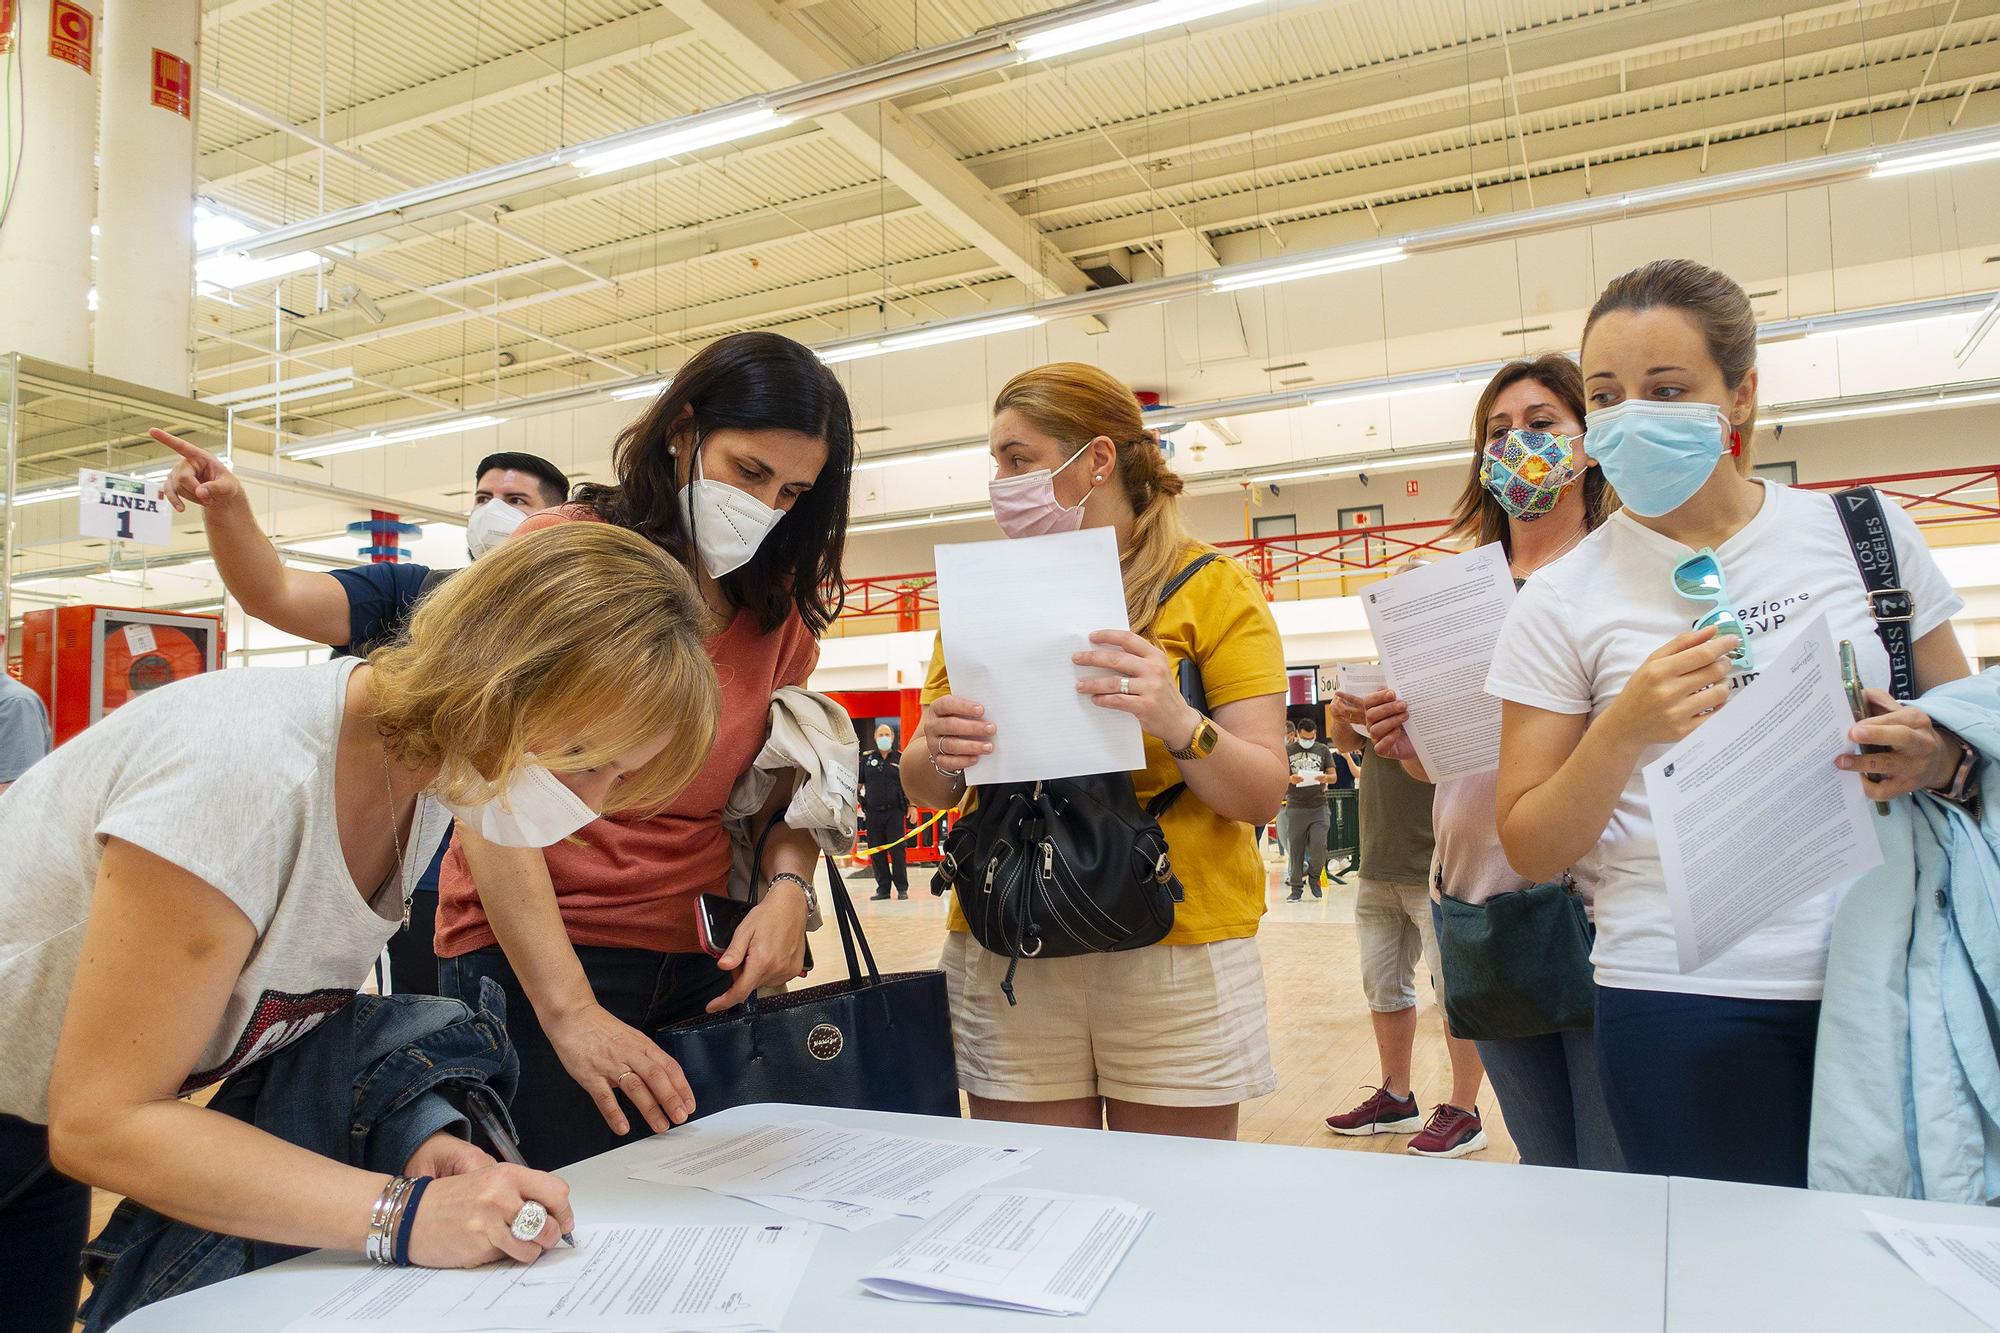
[[1716, 304], [1477, 514], [1075, 403], [747, 381]]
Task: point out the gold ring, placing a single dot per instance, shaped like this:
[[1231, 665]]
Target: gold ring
[[622, 1077]]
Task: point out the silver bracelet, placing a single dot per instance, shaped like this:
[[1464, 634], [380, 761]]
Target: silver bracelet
[[382, 1217], [812, 897]]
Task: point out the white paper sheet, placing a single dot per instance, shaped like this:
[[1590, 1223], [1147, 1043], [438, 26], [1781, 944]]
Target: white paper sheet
[[619, 1279], [1752, 816], [1362, 681], [815, 1162], [1016, 1250], [1010, 614], [1963, 1262], [1436, 628]]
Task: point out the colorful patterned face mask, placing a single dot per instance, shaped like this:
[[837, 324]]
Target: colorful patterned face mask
[[1527, 471]]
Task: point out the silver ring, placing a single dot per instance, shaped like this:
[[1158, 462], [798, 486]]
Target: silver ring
[[528, 1223], [1124, 685]]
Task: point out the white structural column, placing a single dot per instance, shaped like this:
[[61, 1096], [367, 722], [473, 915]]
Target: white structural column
[[45, 237], [145, 209]]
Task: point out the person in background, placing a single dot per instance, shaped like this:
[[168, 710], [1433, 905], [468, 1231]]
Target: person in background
[[25, 738], [1605, 663], [354, 611], [1171, 1038], [197, 881], [1278, 825], [1305, 820], [886, 813], [740, 471], [1393, 926], [1531, 488]]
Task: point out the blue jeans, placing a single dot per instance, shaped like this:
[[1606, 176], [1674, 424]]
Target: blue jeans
[[43, 1220], [558, 1122], [1552, 1100], [1707, 1086]]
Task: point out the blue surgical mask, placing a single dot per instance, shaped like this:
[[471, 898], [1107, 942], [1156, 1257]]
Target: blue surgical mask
[[1655, 455], [883, 743]]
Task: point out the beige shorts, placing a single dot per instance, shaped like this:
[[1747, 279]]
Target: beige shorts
[[1393, 924], [1169, 1025]]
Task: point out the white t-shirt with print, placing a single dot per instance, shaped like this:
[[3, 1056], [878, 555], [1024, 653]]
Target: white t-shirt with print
[[229, 776], [1582, 626]]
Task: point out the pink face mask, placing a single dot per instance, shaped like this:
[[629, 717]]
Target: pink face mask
[[1026, 506]]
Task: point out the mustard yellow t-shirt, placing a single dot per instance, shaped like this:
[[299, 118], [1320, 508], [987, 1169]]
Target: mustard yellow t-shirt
[[1220, 620]]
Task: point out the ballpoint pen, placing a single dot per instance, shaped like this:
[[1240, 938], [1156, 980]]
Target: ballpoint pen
[[503, 1143]]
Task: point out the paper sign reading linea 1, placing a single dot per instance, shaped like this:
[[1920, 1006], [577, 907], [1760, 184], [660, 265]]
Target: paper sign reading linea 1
[[127, 509]]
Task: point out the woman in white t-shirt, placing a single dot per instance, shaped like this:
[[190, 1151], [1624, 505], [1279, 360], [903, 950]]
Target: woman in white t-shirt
[[1604, 664], [199, 879]]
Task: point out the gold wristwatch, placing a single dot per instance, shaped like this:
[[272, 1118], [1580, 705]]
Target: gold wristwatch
[[1202, 744]]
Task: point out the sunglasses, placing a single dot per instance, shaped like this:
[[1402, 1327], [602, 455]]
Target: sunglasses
[[1699, 579]]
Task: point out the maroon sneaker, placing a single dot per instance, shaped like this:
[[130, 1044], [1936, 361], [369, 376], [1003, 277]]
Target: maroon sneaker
[[1382, 1113], [1452, 1132]]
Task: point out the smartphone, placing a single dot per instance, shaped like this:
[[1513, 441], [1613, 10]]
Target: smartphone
[[715, 921], [1857, 700]]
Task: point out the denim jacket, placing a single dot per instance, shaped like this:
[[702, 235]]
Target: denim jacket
[[1906, 1092], [396, 1065]]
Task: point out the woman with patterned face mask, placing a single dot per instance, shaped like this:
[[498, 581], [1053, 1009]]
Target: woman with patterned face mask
[[1611, 656], [1533, 489], [739, 470]]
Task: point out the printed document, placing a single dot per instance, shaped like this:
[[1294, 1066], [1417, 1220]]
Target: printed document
[[619, 1279], [1963, 1262], [1015, 1250], [1010, 614], [814, 1163], [1436, 628], [1362, 681], [1752, 815]]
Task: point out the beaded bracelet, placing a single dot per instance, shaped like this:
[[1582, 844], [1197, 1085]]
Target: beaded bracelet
[[408, 1221]]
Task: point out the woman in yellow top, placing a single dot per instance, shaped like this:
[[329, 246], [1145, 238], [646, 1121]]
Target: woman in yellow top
[[1168, 1039]]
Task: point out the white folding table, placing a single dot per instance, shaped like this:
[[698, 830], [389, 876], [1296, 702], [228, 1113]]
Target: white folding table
[[1243, 1236]]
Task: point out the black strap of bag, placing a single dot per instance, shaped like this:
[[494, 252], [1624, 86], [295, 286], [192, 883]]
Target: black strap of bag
[[1188, 674], [1889, 602]]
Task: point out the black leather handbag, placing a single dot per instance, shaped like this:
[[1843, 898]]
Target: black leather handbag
[[1067, 866], [874, 1042]]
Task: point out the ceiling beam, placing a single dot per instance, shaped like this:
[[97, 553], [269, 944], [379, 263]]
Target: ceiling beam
[[776, 49]]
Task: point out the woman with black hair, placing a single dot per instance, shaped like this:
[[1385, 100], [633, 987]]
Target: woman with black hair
[[740, 471]]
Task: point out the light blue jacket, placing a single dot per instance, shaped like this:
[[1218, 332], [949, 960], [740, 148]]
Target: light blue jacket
[[1906, 1092]]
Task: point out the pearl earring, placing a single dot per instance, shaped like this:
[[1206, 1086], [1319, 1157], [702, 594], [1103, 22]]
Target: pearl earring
[[1098, 477]]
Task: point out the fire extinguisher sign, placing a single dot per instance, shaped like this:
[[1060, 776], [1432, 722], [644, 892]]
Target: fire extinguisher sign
[[129, 509], [173, 84], [71, 29], [8, 12]]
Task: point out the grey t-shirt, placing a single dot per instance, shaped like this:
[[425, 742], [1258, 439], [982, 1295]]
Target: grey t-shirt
[[229, 776], [24, 729]]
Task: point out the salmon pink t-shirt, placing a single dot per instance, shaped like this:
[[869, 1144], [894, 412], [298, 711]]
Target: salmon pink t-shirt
[[631, 884]]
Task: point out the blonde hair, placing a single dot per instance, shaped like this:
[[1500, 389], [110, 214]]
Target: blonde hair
[[1075, 403], [1718, 306], [569, 645]]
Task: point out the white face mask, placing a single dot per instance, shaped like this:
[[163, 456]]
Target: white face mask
[[492, 522], [536, 810], [729, 525]]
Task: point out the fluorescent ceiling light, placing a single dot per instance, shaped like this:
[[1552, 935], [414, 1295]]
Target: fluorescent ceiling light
[[967, 451], [833, 356], [234, 269], [302, 386], [355, 443], [928, 520], [215, 227], [1944, 157], [629, 392], [1368, 465], [978, 328], [1309, 268], [1883, 409], [1338, 397], [686, 139], [43, 494], [1084, 33]]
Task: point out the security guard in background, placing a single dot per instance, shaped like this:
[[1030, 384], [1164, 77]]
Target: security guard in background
[[884, 808]]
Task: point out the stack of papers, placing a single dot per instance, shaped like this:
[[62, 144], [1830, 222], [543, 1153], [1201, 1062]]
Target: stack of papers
[[1015, 1250], [846, 1178], [619, 1279]]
